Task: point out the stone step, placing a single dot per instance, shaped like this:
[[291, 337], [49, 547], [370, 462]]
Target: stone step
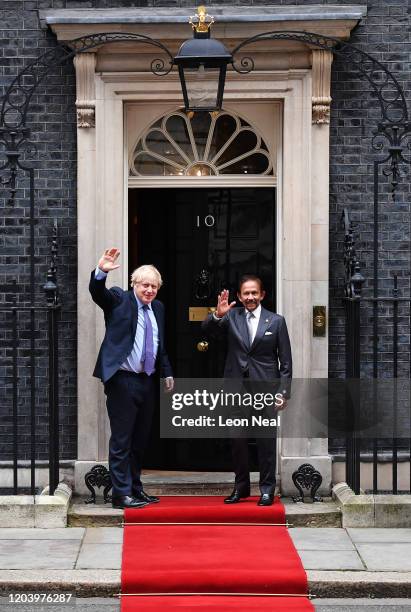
[[320, 514], [158, 482]]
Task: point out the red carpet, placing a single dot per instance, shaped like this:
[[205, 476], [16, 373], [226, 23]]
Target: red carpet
[[204, 603], [233, 558], [206, 509]]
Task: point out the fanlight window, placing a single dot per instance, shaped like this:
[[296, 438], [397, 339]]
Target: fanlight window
[[200, 144]]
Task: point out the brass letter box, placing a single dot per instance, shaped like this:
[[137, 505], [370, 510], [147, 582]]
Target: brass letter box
[[319, 321], [199, 313]]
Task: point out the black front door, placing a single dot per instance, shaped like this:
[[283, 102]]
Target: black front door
[[202, 241]]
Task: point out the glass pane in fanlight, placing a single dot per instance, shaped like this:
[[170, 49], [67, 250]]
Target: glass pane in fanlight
[[157, 142], [257, 163], [176, 127], [202, 86], [200, 170], [243, 142], [149, 166], [225, 127], [172, 171], [200, 124]]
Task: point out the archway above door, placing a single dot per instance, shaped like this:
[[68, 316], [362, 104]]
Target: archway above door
[[200, 144]]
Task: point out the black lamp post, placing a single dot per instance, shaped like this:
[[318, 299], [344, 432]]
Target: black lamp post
[[202, 64]]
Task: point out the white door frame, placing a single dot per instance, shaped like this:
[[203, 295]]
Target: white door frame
[[302, 210]]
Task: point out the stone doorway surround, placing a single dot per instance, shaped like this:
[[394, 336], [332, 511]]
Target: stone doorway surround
[[285, 71]]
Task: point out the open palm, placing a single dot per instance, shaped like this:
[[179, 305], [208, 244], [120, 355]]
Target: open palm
[[107, 261], [223, 305]]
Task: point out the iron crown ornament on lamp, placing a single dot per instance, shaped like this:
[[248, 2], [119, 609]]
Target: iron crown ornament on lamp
[[202, 64]]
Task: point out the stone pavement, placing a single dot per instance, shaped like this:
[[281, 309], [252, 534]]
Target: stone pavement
[[94, 548], [86, 561]]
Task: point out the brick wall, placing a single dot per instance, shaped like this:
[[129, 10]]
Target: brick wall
[[52, 120], [384, 34]]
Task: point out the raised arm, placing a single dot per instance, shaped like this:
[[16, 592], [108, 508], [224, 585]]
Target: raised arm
[[219, 320], [103, 297]]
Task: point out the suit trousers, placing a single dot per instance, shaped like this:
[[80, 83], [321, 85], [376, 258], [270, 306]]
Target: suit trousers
[[130, 407], [266, 446], [267, 460]]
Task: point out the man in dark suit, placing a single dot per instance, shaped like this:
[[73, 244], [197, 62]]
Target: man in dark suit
[[131, 355], [258, 349]]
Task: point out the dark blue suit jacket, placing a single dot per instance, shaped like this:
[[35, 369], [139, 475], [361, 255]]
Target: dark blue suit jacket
[[268, 357], [120, 315]]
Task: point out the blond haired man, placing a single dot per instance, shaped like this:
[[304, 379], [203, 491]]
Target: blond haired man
[[131, 357]]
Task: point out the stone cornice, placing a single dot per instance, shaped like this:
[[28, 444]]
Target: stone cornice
[[223, 14], [231, 22]]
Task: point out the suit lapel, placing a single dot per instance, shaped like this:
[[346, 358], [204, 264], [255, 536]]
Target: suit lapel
[[263, 324], [156, 313], [134, 312]]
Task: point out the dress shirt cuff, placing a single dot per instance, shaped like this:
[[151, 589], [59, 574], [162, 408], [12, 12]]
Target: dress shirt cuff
[[99, 274], [216, 318]]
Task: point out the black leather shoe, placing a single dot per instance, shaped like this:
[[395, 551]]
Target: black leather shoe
[[235, 497], [127, 501], [143, 496], [266, 499]]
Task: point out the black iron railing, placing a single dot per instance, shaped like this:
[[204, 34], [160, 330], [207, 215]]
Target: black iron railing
[[355, 305], [391, 138], [33, 332]]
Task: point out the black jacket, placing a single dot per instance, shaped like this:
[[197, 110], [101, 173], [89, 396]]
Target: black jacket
[[120, 315], [269, 356]]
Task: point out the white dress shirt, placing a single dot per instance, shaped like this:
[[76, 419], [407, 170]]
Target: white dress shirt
[[133, 361], [253, 318], [252, 323]]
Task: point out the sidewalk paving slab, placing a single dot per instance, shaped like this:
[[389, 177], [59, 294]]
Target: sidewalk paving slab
[[379, 534], [321, 538], [339, 563], [57, 533], [330, 560], [39, 554], [387, 556], [103, 535], [105, 556]]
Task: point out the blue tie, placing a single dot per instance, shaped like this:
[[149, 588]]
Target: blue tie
[[147, 356]]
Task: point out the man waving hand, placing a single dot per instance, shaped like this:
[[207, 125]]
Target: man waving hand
[[131, 357]]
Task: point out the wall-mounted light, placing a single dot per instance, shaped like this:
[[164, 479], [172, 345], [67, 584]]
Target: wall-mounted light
[[202, 65]]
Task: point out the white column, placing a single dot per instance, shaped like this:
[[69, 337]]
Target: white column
[[86, 222], [305, 266], [100, 225]]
